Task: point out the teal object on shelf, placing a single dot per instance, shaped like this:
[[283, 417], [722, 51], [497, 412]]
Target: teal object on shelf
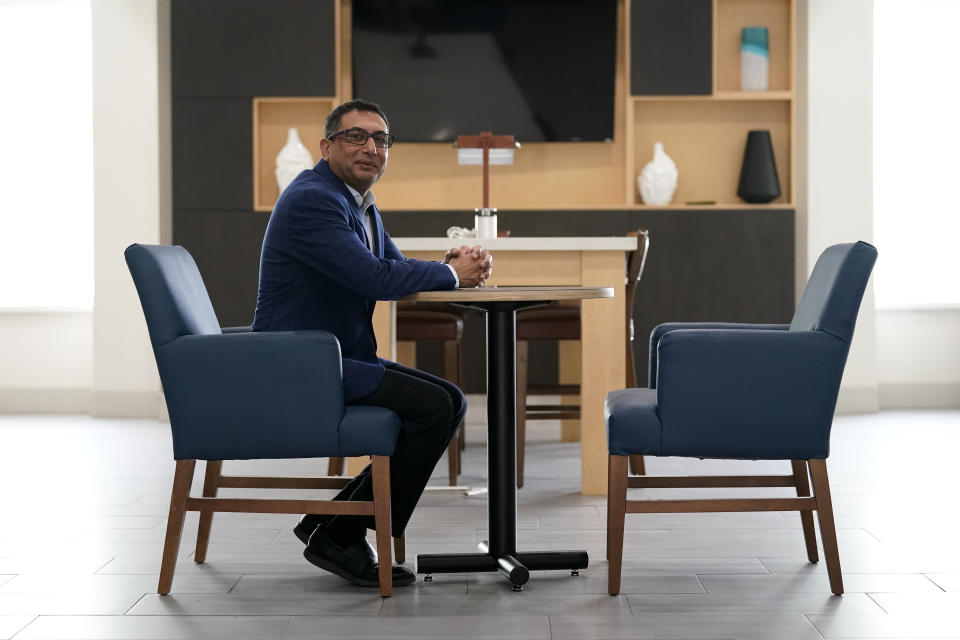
[[754, 59]]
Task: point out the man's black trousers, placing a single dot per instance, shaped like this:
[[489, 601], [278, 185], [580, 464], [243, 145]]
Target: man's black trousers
[[430, 409]]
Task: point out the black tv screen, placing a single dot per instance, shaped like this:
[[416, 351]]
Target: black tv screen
[[542, 70]]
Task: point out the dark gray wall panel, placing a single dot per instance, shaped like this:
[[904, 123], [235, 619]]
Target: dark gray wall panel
[[245, 48], [226, 246], [212, 154], [670, 47]]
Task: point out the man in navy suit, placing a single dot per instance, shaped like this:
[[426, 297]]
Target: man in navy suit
[[326, 260]]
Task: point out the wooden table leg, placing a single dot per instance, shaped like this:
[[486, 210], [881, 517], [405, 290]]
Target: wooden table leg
[[568, 372], [603, 362]]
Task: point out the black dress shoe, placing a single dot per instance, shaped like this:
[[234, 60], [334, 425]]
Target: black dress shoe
[[357, 563]]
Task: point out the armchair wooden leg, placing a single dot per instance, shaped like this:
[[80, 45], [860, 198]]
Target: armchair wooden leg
[[828, 530], [211, 482], [453, 456], [381, 517], [616, 511], [806, 517], [335, 467], [182, 479], [400, 549], [637, 466], [523, 351]]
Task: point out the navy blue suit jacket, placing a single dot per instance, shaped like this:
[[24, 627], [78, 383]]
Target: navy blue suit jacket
[[316, 272]]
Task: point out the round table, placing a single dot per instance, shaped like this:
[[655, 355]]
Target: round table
[[500, 553]]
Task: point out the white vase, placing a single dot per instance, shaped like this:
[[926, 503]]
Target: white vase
[[658, 180], [292, 159]]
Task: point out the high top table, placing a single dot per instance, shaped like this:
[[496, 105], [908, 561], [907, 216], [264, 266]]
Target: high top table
[[549, 262], [500, 553]]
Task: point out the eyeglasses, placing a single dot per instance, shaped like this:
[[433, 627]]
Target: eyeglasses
[[359, 137]]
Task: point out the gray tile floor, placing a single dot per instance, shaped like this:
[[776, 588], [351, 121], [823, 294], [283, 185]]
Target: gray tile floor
[[84, 504]]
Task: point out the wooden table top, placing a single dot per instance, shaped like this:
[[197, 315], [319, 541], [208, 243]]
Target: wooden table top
[[512, 294]]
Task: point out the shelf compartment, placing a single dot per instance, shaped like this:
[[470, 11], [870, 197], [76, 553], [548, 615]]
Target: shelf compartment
[[271, 119], [706, 139], [730, 17], [719, 206], [728, 96]]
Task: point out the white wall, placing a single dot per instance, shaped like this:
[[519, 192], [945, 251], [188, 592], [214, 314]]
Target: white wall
[[899, 358], [126, 161], [836, 176], [47, 361], [101, 362], [918, 358]]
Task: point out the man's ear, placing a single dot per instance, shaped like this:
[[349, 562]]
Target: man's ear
[[325, 148]]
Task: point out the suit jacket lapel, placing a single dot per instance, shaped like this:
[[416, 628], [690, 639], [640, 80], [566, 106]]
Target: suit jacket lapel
[[323, 169], [377, 225]]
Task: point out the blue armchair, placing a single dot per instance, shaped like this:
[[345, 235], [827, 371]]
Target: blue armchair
[[240, 395], [741, 391]]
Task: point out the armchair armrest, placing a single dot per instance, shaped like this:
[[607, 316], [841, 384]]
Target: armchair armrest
[[662, 329], [744, 393], [253, 395]]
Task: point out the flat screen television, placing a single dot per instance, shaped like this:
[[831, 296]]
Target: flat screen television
[[542, 70]]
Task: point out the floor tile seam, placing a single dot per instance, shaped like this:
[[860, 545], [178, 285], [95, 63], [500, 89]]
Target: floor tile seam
[[235, 583], [283, 632], [104, 566], [806, 618], [871, 534], [21, 629], [135, 603], [935, 583], [81, 534], [876, 602], [703, 587]]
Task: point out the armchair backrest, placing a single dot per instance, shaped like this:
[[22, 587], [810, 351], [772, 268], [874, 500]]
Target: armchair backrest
[[831, 299], [172, 294]]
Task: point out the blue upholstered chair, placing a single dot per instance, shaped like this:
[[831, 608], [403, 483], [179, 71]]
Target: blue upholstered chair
[[242, 395], [740, 391]]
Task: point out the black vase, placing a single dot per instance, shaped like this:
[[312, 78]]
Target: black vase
[[758, 176]]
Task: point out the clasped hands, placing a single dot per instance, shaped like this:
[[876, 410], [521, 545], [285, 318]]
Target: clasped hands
[[472, 264]]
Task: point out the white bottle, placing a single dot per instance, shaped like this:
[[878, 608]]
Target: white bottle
[[485, 223], [754, 59], [292, 159]]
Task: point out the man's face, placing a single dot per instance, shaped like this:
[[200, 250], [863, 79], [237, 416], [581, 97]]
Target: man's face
[[359, 166]]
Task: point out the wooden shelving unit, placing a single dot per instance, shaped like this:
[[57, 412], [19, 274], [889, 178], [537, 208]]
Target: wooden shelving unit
[[704, 134]]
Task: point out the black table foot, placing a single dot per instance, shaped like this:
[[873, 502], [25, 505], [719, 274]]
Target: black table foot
[[516, 567]]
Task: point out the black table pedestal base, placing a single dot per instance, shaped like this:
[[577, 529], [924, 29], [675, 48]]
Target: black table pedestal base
[[515, 567], [499, 554]]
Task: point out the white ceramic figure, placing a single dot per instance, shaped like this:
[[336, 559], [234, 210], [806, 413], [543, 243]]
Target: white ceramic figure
[[455, 233], [658, 180], [292, 159]]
